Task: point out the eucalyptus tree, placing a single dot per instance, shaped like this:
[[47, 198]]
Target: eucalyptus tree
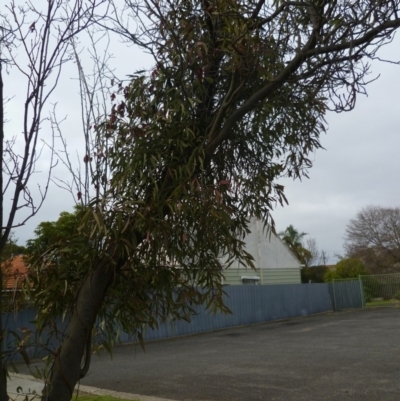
[[235, 100]]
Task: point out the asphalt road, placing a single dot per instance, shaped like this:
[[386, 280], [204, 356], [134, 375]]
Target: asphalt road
[[342, 356]]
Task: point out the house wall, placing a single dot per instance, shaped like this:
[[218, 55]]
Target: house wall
[[233, 276], [270, 254]]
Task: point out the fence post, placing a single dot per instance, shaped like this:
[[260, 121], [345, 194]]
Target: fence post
[[361, 291], [334, 295]]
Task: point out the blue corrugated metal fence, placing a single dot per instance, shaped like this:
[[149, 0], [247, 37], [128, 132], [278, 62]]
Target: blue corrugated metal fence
[[249, 304]]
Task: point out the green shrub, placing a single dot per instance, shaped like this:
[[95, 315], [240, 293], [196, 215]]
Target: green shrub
[[315, 274], [346, 268]]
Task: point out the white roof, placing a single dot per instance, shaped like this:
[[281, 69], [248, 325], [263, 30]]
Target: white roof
[[267, 249]]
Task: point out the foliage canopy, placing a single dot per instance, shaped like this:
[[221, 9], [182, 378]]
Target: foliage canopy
[[346, 268], [181, 186], [294, 240], [314, 274], [373, 237]]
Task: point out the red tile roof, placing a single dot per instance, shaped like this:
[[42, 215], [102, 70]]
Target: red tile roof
[[15, 271]]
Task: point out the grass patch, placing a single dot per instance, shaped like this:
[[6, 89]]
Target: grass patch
[[383, 303], [85, 397]]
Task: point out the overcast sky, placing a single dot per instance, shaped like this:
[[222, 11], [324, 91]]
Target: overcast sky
[[359, 166]]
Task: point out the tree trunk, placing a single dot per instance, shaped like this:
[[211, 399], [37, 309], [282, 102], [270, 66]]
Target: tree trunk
[[3, 377], [67, 364]]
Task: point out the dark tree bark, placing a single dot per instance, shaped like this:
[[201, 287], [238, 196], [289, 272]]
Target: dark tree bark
[[67, 364]]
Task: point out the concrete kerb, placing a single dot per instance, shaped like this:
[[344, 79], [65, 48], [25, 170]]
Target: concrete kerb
[[116, 394], [32, 387]]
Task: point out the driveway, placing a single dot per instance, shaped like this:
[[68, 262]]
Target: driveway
[[344, 356]]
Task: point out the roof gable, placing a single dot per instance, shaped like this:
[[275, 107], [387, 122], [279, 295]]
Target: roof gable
[[267, 249]]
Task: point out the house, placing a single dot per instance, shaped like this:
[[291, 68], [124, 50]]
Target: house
[[14, 272], [274, 262]]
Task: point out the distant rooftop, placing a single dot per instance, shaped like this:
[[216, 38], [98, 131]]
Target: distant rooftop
[[15, 271]]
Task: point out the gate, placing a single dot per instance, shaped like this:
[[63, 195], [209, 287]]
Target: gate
[[381, 289], [347, 294]]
